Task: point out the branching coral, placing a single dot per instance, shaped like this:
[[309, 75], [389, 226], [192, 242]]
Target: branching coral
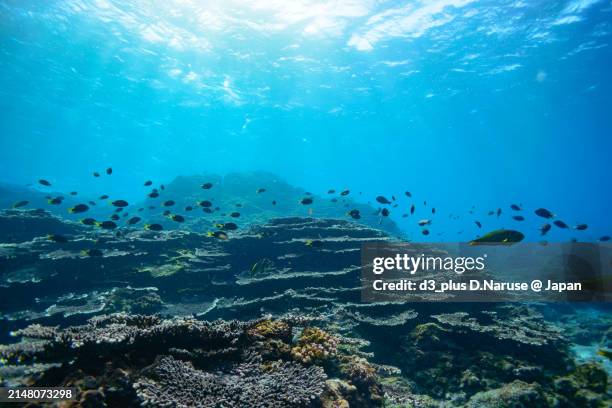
[[122, 360], [171, 382]]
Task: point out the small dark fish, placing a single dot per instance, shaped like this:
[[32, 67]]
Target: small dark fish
[[345, 192], [412, 208], [408, 194], [91, 203], [383, 200], [166, 213], [433, 210], [314, 243], [260, 190], [189, 208], [109, 171], [140, 209], [151, 207], [308, 193], [73, 193], [235, 214], [334, 200], [205, 204], [354, 214], [605, 238], [306, 201], [491, 213], [273, 202], [120, 203], [88, 221], [544, 213], [60, 239], [44, 182], [162, 187], [478, 224], [134, 220], [499, 211], [118, 210], [153, 227], [238, 205], [106, 225], [228, 226], [515, 207], [218, 234], [393, 197], [177, 218], [153, 194], [581, 227], [93, 252], [148, 183], [560, 224], [114, 217], [385, 212], [545, 228], [422, 223], [207, 210], [425, 231], [96, 174], [518, 218], [103, 197], [20, 204], [79, 208], [206, 186], [55, 201], [331, 191], [168, 203]]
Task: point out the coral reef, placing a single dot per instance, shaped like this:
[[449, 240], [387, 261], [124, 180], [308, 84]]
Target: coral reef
[[171, 382], [126, 360], [507, 357], [446, 354], [315, 346]]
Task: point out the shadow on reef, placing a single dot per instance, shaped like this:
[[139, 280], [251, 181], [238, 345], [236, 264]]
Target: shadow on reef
[[366, 354]]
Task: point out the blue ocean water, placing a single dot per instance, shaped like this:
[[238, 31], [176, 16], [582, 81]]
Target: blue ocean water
[[469, 105]]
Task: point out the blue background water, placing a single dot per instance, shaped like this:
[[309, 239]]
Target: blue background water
[[461, 102]]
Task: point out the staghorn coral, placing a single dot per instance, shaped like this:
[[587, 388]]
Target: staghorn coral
[[171, 382]]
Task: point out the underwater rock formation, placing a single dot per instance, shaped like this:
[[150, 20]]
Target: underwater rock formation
[[25, 225], [238, 192]]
